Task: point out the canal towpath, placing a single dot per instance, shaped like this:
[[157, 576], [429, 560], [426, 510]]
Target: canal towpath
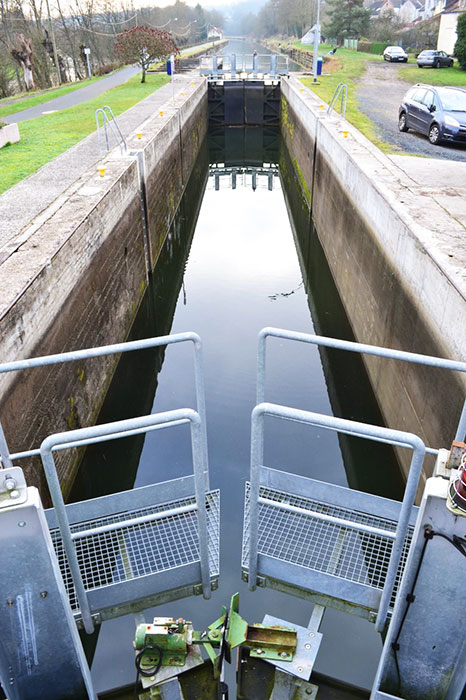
[[23, 202]]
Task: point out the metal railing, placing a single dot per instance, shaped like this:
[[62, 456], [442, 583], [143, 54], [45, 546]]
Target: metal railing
[[341, 91], [126, 428], [350, 346], [348, 427], [271, 65], [75, 355], [107, 124], [109, 431]]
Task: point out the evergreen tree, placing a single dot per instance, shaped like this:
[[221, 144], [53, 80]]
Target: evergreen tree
[[460, 46], [347, 19]]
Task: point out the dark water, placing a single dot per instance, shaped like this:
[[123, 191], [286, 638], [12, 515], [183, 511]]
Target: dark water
[[247, 258]]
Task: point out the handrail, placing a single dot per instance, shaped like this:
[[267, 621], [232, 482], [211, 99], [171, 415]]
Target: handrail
[[340, 425], [117, 348], [362, 348], [342, 91], [113, 124], [115, 430]]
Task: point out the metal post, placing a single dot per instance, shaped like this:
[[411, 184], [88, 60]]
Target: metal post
[[214, 67], [5, 461], [254, 65], [257, 456], [461, 429], [87, 52], [172, 63], [316, 43], [199, 487], [273, 65], [233, 64]]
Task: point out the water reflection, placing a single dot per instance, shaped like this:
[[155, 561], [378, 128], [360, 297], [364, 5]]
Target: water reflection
[[254, 261]]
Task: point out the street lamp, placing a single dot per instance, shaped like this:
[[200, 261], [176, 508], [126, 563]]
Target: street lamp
[[316, 43]]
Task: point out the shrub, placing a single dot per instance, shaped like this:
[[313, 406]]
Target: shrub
[[460, 46]]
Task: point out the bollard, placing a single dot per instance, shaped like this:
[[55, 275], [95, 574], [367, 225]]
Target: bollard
[[139, 135], [161, 112], [102, 171], [345, 134]]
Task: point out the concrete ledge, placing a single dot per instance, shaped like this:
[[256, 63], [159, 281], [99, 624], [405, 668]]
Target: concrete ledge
[[397, 256]]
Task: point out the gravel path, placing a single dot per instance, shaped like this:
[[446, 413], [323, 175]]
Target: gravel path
[[379, 94]]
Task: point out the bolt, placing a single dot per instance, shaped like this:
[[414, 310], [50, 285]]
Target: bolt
[[308, 691], [259, 651], [10, 483], [300, 669], [14, 493], [307, 646], [311, 634], [10, 602], [21, 523], [283, 654], [43, 594]]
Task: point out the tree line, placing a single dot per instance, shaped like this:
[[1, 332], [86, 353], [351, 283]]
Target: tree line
[[47, 43]]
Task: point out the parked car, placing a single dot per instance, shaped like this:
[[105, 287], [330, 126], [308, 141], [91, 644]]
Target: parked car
[[395, 53], [434, 59], [438, 112]]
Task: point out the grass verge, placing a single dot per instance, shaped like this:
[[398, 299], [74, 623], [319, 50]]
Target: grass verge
[[433, 76], [26, 101], [44, 138], [347, 66]]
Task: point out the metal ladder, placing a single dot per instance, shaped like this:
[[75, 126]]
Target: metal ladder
[[109, 122]]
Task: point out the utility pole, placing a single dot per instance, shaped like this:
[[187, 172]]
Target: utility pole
[[316, 43], [52, 36]]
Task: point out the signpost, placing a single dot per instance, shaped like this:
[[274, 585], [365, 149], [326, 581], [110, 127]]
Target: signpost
[[87, 51]]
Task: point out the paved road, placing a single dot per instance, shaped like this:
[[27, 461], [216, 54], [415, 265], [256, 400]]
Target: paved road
[[380, 93], [73, 98], [88, 92]]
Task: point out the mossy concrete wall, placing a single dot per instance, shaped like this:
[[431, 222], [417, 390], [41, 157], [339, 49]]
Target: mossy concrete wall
[[80, 275], [397, 259]]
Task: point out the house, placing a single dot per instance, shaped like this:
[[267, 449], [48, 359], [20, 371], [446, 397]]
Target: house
[[407, 11], [215, 33], [447, 35]]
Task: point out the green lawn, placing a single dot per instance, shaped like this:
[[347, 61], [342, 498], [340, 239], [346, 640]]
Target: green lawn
[[47, 136], [433, 76], [347, 66], [32, 99]]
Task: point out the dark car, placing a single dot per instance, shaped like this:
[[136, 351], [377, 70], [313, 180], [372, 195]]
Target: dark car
[[395, 53], [438, 112], [434, 59]]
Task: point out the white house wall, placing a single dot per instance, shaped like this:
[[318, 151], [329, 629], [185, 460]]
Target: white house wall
[[447, 32]]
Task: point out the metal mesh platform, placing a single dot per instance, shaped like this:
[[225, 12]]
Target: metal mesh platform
[[130, 552], [302, 540]]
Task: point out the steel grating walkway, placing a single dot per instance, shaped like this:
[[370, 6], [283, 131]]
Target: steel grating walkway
[[302, 540], [126, 552]]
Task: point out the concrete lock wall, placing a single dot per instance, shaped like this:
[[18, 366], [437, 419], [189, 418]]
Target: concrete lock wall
[[392, 252], [79, 277]]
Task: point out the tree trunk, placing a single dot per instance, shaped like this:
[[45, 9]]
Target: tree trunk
[[23, 56]]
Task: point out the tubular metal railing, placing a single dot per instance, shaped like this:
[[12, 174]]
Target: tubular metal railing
[[107, 124], [256, 64], [350, 346], [341, 91], [103, 350], [125, 428], [350, 428], [120, 429]]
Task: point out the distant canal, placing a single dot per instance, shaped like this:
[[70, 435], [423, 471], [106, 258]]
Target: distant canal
[[241, 255], [248, 46]]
